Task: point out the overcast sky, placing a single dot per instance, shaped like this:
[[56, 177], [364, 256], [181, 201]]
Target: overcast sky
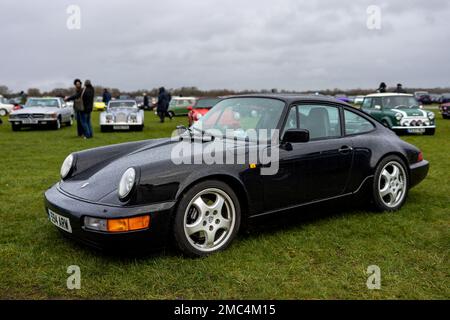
[[246, 44]]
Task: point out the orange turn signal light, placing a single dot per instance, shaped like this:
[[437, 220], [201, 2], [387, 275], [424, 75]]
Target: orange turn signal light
[[128, 224]]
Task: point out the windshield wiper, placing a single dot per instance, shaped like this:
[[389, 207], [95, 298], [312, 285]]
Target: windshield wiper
[[191, 133]]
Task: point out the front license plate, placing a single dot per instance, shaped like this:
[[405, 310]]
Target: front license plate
[[59, 221], [29, 121], [121, 127], [418, 130]]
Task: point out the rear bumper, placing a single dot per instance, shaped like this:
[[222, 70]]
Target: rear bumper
[[125, 242], [418, 172]]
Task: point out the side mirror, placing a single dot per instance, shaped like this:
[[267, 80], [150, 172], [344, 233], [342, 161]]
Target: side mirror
[[378, 107], [295, 136]]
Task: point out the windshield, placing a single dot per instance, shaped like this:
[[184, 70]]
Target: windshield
[[400, 102], [42, 103], [206, 103], [236, 116], [122, 104], [98, 99]]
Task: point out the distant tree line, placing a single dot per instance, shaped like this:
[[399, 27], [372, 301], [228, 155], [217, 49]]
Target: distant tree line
[[196, 92]]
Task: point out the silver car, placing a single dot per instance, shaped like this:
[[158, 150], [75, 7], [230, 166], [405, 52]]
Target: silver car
[[49, 112], [122, 115]]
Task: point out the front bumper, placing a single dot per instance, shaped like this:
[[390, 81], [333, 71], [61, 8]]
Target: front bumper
[[38, 122], [418, 172], [125, 242], [413, 127]]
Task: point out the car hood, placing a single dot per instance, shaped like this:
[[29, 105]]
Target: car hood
[[96, 182], [411, 112], [35, 110]]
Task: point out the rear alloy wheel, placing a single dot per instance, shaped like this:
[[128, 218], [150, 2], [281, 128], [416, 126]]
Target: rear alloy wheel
[[172, 114], [3, 112], [207, 219], [70, 122], [390, 185]]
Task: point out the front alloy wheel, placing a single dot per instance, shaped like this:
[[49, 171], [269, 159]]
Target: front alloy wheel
[[391, 184], [207, 219]]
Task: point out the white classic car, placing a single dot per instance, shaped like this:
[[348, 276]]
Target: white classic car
[[122, 115], [51, 112], [5, 107]]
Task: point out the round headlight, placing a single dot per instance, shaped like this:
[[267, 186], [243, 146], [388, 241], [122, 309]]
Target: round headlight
[[398, 116], [127, 183], [431, 115], [66, 166]]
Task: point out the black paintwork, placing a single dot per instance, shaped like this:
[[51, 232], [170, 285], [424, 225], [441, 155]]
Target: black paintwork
[[308, 172]]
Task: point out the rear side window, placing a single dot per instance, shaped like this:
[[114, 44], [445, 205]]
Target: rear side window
[[320, 120], [355, 124], [367, 103]]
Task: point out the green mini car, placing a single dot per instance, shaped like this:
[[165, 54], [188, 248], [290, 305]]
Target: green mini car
[[401, 112], [180, 106]]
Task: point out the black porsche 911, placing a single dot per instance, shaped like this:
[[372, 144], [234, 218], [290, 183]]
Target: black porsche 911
[[142, 194]]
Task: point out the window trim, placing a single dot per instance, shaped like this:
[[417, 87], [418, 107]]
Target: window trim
[[298, 104]]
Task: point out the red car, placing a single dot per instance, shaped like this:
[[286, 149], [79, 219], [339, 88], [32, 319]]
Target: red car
[[200, 108]]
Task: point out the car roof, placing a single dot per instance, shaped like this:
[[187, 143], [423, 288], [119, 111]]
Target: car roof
[[388, 94], [181, 98], [290, 98], [123, 100]]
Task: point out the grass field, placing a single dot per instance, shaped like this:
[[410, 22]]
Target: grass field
[[302, 256]]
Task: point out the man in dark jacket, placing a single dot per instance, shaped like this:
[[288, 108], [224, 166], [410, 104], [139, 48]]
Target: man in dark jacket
[[77, 105], [400, 89], [163, 104], [106, 97], [146, 102], [382, 88]]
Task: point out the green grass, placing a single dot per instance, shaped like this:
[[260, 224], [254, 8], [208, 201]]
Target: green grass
[[322, 257]]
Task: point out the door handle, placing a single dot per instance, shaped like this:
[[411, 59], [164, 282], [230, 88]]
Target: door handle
[[345, 149]]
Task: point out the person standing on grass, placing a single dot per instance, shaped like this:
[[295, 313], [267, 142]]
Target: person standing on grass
[[146, 102], [106, 97], [88, 102], [163, 104], [77, 105]]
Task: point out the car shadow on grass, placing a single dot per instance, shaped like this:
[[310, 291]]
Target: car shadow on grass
[[269, 224]]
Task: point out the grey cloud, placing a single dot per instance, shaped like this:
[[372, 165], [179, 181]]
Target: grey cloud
[[225, 44]]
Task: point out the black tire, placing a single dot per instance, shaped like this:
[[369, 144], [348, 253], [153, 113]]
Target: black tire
[[104, 128], [380, 183], [211, 220], [171, 114], [140, 128], [70, 122], [16, 127], [430, 132], [3, 112]]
